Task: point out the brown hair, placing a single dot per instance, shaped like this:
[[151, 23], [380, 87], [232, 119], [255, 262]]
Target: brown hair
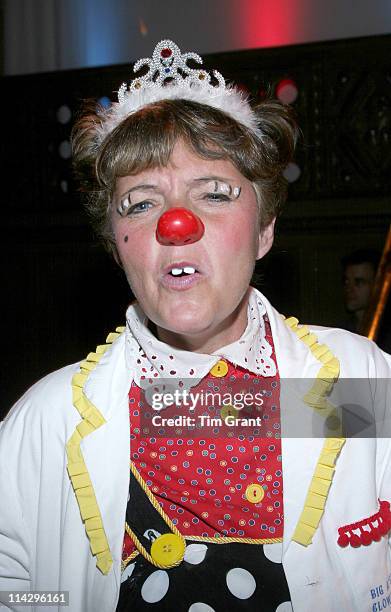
[[145, 139]]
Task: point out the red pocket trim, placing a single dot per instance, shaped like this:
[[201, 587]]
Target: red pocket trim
[[370, 529]]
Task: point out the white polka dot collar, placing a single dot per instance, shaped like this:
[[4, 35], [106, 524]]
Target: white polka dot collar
[[151, 359]]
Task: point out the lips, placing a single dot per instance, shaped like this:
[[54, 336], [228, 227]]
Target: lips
[[181, 275]]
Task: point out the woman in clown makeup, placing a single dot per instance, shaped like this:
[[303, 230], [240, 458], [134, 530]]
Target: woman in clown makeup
[[136, 479]]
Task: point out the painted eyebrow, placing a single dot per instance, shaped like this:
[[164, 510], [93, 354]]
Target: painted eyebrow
[[142, 187], [205, 179], [196, 181]]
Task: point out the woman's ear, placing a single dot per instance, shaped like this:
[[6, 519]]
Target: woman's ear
[[266, 238]]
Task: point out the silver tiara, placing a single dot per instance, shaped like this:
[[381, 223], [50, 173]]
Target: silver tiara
[[169, 77]]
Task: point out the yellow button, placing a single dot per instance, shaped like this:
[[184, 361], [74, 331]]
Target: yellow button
[[168, 549], [228, 411], [254, 493], [219, 369]]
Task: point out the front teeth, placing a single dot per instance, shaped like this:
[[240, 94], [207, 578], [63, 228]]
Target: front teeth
[[178, 271]]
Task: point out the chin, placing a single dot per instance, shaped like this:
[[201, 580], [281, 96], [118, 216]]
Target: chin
[[188, 325], [351, 308]]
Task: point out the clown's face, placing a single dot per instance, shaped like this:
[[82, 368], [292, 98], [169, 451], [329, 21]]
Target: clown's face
[[205, 309]]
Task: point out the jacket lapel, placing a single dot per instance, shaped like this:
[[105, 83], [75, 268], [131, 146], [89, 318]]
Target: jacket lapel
[[300, 448], [107, 450]]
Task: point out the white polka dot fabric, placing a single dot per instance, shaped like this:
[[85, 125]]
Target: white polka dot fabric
[[128, 571], [285, 606], [208, 579], [153, 360], [195, 553], [240, 583], [273, 552], [155, 587]]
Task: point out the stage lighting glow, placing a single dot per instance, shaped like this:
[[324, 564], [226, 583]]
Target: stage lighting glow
[[65, 150], [287, 91], [292, 172], [64, 114]]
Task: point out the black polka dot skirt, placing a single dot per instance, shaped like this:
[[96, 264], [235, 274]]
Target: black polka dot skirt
[[216, 577], [211, 578]]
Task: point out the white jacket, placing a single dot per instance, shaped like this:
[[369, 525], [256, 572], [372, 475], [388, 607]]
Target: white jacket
[[43, 542]]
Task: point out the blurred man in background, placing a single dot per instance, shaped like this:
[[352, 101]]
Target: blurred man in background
[[359, 273]]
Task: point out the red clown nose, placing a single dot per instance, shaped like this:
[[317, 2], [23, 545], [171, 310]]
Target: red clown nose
[[179, 226]]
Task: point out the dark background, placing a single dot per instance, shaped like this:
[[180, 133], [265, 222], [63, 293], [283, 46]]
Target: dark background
[[61, 292]]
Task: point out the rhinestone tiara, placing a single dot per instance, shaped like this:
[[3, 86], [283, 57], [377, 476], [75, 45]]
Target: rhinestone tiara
[[169, 77]]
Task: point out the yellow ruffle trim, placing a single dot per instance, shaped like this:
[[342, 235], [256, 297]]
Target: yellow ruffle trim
[[77, 470], [318, 491], [319, 488], [328, 373]]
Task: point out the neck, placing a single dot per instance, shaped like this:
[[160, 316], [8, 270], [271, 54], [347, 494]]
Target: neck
[[358, 317], [209, 341]]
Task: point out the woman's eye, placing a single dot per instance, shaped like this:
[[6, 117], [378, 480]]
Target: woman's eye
[[217, 197], [140, 207], [220, 193], [127, 209]]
